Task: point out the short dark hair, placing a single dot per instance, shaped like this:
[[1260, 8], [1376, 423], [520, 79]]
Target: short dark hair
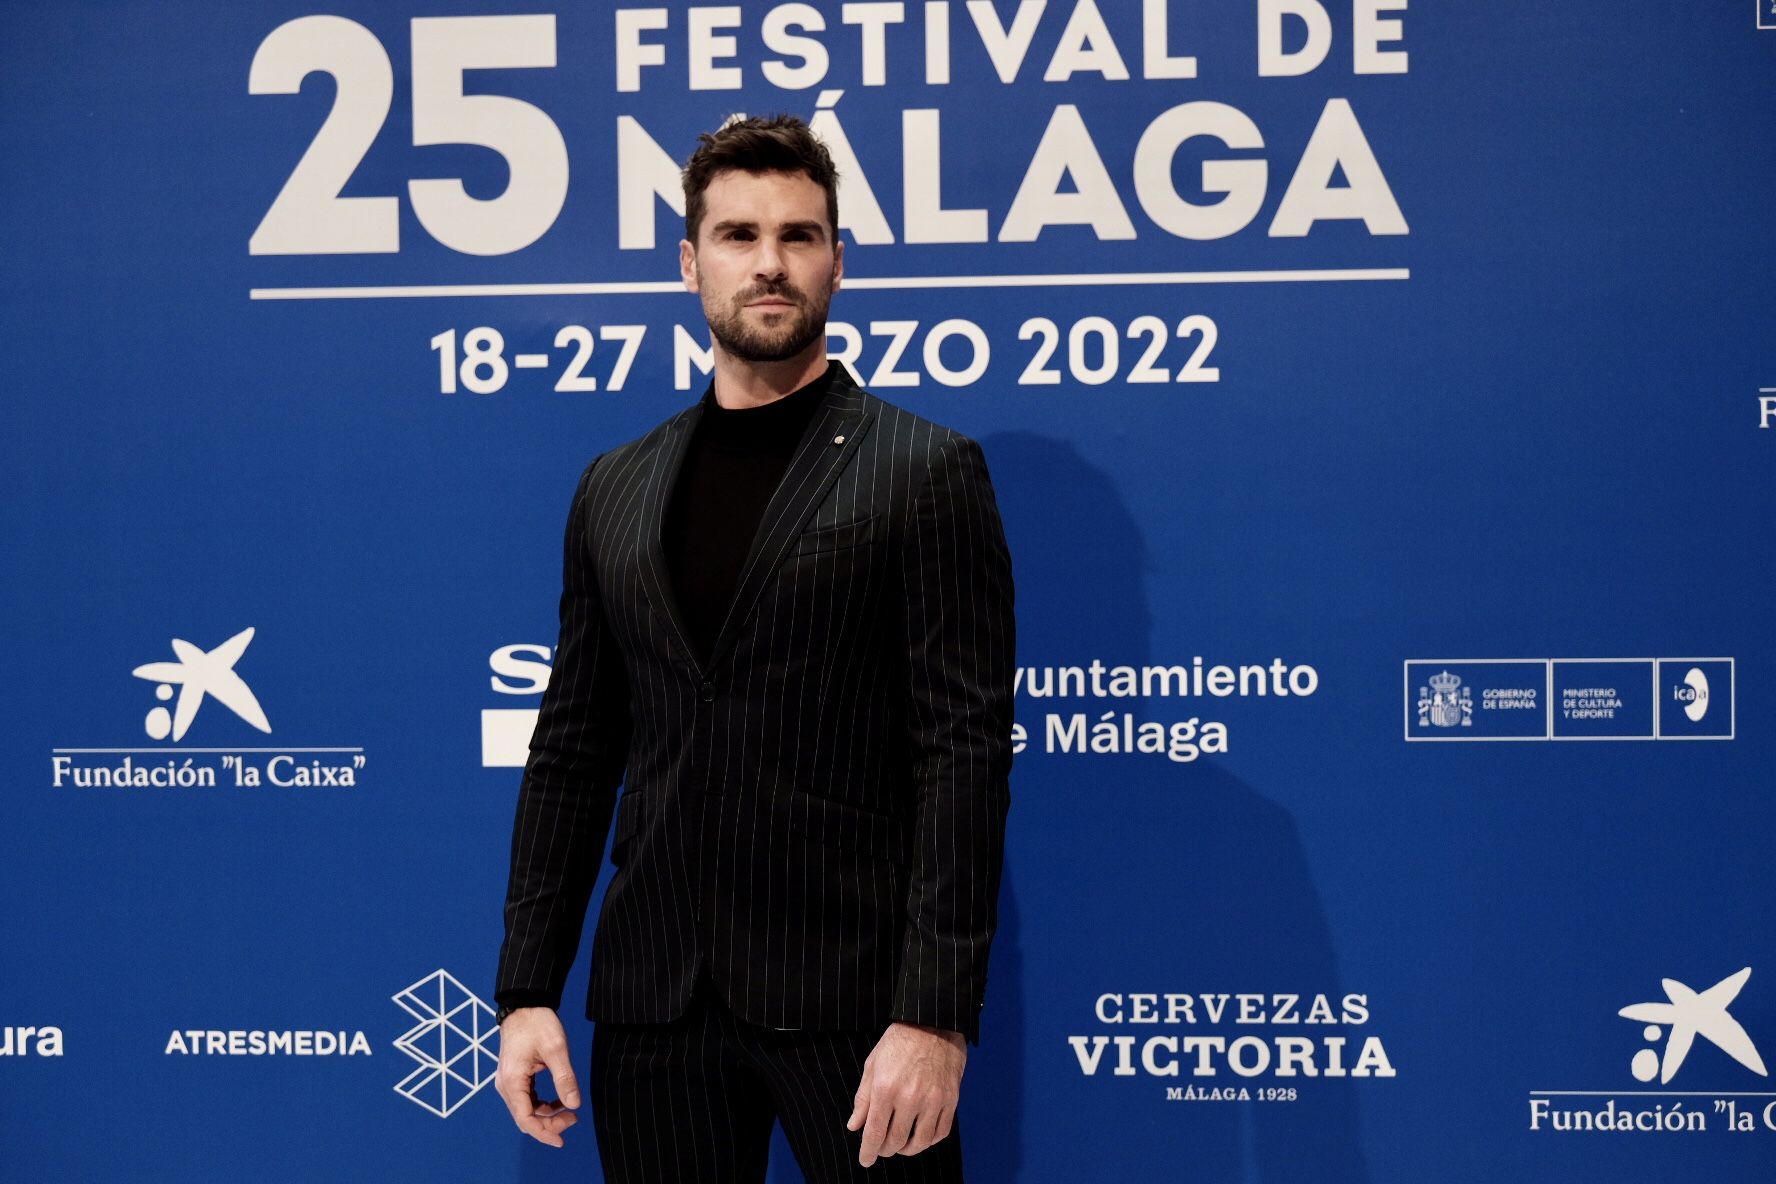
[[757, 144]]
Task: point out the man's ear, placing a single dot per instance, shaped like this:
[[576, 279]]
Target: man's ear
[[838, 262], [687, 264]]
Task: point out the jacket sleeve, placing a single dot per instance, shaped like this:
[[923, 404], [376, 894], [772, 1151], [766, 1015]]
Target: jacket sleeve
[[569, 788], [961, 640]]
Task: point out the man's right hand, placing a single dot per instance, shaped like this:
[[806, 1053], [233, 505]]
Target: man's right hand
[[532, 1039]]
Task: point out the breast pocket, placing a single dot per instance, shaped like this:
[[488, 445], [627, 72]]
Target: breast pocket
[[831, 538]]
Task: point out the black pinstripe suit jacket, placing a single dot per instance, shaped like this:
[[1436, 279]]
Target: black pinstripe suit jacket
[[817, 814]]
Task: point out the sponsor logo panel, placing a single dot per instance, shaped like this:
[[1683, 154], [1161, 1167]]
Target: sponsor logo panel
[[1695, 698], [1569, 699], [182, 688], [1477, 699], [1231, 1047], [1601, 699]]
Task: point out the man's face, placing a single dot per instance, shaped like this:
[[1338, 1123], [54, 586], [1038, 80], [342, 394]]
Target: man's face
[[765, 263]]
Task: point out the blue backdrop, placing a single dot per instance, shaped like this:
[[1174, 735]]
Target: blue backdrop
[[1421, 358]]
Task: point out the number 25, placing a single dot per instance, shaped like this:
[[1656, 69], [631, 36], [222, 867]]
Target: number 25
[[310, 218]]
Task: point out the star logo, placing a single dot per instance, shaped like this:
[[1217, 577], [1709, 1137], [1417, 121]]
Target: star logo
[[1690, 1014], [198, 674]]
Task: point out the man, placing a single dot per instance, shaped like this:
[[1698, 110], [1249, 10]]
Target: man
[[786, 631]]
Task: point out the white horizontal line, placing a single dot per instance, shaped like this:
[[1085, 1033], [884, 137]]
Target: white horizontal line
[[1647, 1093], [1470, 739], [1767, 390], [1305, 276], [413, 290], [650, 287], [176, 751], [1489, 661], [1635, 737], [531, 361]]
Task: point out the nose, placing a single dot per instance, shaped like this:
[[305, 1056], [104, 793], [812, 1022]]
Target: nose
[[769, 261]]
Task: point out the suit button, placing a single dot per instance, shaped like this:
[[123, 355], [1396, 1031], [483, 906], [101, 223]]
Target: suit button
[[707, 691]]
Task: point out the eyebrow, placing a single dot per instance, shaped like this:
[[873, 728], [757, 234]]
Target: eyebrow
[[816, 228]]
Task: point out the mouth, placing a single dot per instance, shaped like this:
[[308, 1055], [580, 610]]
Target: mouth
[[771, 305]]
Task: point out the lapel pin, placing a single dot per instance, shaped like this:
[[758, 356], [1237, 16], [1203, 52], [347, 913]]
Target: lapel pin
[[838, 439]]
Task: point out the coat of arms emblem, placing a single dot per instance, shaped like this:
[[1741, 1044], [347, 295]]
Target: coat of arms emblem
[[1445, 703]]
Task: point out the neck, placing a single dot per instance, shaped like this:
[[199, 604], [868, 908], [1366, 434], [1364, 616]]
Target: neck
[[739, 383]]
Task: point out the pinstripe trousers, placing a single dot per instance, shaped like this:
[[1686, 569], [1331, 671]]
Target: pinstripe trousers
[[694, 1100]]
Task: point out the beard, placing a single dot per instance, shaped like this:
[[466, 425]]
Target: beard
[[784, 336]]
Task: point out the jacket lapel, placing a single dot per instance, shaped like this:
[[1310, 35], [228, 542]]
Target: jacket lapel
[[654, 574], [832, 436], [827, 444]]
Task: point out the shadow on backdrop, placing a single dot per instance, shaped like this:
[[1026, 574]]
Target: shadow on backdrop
[[1136, 873]]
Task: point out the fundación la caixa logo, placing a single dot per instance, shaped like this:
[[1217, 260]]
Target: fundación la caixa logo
[[1685, 1015], [199, 676], [1685, 1020]]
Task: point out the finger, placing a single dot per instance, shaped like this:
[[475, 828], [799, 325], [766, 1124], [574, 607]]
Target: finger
[[919, 1137], [900, 1129], [552, 1108], [561, 1070], [545, 1123], [519, 1092], [542, 1129], [860, 1104], [536, 1125], [514, 1089], [558, 1122], [929, 1128], [548, 1129], [873, 1132], [515, 1082], [943, 1125]]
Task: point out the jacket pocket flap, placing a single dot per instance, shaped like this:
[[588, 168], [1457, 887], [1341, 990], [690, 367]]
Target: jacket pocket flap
[[850, 828], [629, 812]]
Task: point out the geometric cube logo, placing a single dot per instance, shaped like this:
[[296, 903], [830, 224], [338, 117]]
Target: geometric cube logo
[[449, 1042]]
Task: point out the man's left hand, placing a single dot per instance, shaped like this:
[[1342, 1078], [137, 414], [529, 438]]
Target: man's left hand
[[912, 1081]]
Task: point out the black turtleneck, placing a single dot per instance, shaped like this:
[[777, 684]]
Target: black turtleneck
[[732, 465]]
